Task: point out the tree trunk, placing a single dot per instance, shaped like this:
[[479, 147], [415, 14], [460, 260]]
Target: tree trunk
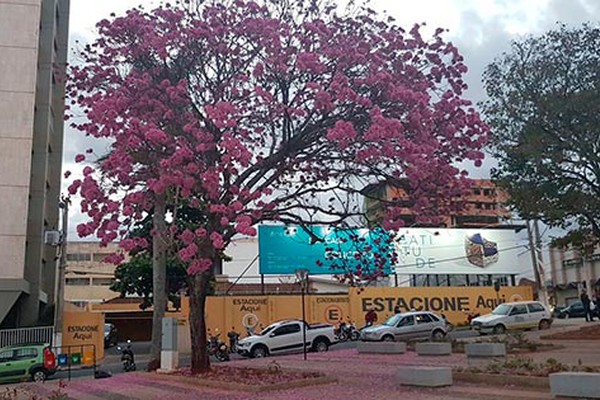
[[159, 279], [199, 286]]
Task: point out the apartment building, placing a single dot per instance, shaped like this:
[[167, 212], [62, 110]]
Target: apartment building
[[33, 48], [571, 271], [482, 206]]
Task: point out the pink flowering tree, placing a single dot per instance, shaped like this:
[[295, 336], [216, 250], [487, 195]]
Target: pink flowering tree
[[278, 111]]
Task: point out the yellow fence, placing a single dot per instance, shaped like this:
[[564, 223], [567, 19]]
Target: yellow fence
[[242, 313]]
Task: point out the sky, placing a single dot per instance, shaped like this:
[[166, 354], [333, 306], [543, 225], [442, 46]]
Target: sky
[[481, 29]]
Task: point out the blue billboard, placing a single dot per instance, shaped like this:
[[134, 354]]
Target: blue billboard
[[323, 250]]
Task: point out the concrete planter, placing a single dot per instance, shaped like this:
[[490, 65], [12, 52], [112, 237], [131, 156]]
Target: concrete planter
[[575, 385], [485, 350], [381, 347], [433, 349], [424, 376]]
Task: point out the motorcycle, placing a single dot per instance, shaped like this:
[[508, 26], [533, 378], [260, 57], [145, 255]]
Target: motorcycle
[[234, 337], [217, 348], [127, 357], [347, 331]]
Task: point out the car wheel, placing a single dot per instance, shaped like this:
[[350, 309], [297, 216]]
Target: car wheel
[[259, 352], [388, 338], [438, 335], [544, 324], [38, 375], [499, 329], [321, 346]]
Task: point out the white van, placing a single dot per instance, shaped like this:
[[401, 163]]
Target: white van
[[509, 316]]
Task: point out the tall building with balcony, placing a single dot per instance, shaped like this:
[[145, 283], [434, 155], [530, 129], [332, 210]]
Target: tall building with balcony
[[88, 276], [482, 206], [33, 48]]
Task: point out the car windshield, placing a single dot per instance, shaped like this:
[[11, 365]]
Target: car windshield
[[106, 328], [267, 329], [502, 309], [393, 320]]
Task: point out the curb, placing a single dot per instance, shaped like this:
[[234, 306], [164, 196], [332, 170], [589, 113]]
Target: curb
[[534, 383], [239, 387]]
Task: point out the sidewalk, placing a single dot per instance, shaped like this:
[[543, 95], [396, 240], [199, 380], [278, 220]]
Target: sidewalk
[[360, 377]]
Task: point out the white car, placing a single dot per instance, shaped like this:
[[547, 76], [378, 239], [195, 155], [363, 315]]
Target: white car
[[408, 326], [286, 337], [510, 316]]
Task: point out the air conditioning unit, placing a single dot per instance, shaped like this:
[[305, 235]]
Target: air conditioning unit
[[52, 238]]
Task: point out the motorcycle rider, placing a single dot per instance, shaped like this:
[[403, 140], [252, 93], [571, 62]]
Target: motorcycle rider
[[233, 339], [127, 357]]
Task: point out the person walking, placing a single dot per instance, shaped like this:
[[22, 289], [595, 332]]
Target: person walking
[[397, 309], [585, 300]]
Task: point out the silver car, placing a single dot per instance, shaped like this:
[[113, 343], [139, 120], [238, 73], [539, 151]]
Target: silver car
[[408, 326]]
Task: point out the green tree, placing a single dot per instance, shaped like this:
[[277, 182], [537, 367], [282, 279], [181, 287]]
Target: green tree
[[135, 278], [544, 108]]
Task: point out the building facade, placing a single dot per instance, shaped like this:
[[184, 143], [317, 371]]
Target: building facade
[[571, 271], [88, 277], [482, 206], [33, 44]]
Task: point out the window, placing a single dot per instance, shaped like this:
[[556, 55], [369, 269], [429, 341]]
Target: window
[[99, 257], [78, 281], [79, 257], [102, 281], [477, 192], [535, 307], [25, 354], [423, 318], [487, 192], [6, 356], [519, 310], [286, 330], [409, 320]]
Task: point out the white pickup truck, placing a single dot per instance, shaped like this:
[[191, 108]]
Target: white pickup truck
[[286, 337]]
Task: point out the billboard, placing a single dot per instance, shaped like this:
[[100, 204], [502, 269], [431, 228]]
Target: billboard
[[457, 251], [283, 249]]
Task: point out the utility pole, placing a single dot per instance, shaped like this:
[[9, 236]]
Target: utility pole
[[537, 260], [59, 303]]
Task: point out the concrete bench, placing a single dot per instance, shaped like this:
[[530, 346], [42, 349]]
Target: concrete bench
[[484, 353], [575, 385], [433, 349], [424, 376], [381, 347]]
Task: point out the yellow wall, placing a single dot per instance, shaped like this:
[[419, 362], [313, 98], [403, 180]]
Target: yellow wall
[[456, 303], [238, 312], [83, 328]]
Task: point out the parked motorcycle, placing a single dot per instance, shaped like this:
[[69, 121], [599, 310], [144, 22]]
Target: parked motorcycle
[[233, 337], [347, 331], [217, 348], [127, 357]]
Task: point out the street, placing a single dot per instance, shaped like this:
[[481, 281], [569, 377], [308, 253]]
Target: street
[[141, 350], [112, 362]]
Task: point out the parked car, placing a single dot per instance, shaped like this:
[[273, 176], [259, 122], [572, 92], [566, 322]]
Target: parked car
[[575, 310], [110, 335], [408, 326], [26, 362], [286, 337], [510, 316]]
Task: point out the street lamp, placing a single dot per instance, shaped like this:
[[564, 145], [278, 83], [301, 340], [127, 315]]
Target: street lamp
[[302, 277]]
